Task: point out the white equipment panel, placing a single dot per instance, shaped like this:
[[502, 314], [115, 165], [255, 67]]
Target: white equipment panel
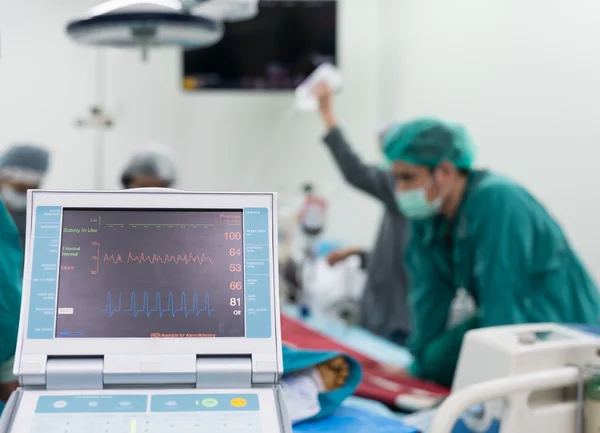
[[183, 411], [521, 379]]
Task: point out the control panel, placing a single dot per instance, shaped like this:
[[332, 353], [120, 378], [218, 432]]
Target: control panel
[[160, 412]]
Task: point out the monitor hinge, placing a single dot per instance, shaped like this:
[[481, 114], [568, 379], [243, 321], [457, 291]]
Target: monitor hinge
[[74, 373], [223, 372]]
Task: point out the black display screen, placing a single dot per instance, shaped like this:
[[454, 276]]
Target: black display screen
[[150, 273], [277, 49]]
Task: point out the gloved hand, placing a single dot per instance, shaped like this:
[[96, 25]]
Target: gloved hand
[[324, 95], [339, 255]]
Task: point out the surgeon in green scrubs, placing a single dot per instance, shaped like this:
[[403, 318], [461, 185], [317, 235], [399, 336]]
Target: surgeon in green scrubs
[[481, 232], [11, 275]]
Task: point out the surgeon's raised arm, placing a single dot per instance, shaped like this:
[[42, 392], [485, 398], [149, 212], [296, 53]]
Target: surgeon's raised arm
[[371, 179], [430, 297]]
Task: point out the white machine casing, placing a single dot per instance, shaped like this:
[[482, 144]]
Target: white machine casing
[[507, 351], [148, 366], [325, 73]]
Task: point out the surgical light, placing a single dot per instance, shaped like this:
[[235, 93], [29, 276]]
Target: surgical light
[[146, 24]]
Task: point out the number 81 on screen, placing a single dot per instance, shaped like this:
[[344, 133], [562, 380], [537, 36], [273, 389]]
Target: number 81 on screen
[[235, 302]]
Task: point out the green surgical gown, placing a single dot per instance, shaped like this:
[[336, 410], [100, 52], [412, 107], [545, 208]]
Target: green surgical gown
[[509, 253], [11, 275]]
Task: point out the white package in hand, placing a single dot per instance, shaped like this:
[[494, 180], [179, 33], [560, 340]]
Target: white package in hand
[[326, 73]]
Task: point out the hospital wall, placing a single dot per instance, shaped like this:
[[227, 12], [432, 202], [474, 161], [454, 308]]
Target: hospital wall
[[523, 75], [47, 82]]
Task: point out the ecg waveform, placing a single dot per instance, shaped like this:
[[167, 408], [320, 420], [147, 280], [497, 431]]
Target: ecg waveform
[[199, 259], [158, 309]]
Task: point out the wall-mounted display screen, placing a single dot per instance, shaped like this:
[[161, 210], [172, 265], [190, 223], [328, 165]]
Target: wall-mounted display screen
[[276, 50]]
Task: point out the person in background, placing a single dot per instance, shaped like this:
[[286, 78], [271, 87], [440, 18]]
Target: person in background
[[149, 169], [384, 309], [22, 167], [477, 231], [11, 275]]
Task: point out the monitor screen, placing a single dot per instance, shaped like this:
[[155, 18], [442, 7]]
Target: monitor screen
[[276, 50], [136, 273]]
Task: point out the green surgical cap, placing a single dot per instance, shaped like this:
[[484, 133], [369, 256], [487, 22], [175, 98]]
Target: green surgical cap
[[428, 142]]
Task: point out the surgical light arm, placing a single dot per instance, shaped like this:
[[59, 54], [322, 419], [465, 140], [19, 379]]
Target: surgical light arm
[[455, 405]]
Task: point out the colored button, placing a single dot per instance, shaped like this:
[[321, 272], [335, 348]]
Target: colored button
[[210, 402], [238, 402]]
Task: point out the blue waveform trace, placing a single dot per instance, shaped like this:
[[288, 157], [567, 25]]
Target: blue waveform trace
[[145, 309]]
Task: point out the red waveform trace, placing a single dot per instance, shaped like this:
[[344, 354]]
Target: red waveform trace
[[199, 259]]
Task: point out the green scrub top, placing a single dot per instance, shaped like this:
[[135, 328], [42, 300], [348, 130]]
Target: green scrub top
[[11, 276], [509, 254]]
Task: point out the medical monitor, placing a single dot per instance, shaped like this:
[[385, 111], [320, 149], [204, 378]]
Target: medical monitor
[[152, 272]]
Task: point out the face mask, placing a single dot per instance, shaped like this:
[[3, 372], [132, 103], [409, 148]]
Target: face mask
[[414, 204], [14, 200]]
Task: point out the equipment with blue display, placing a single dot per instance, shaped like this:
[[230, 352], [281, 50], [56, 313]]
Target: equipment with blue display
[[149, 310]]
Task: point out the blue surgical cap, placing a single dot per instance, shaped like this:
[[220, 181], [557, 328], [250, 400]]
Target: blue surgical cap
[[157, 164], [428, 142], [25, 161]]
